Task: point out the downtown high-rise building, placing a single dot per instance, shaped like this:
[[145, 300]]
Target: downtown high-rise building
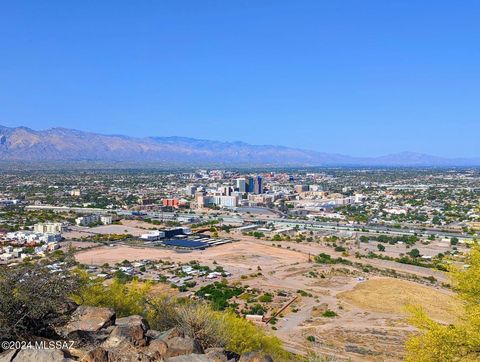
[[257, 185], [250, 184], [241, 185]]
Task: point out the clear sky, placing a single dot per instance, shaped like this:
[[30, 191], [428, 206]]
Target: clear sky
[[354, 77]]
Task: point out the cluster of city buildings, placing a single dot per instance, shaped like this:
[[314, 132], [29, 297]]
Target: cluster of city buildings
[[227, 195], [20, 244]]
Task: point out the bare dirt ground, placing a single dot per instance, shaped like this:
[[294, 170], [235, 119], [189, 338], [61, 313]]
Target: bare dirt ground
[[79, 232], [241, 257], [139, 224], [370, 324], [385, 295], [77, 244]]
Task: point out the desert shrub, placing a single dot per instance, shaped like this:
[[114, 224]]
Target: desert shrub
[[199, 321], [125, 298], [161, 312], [33, 300], [329, 313], [243, 336], [219, 293], [265, 298], [213, 328], [455, 342]]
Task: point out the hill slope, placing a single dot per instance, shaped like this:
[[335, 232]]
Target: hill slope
[[61, 144]]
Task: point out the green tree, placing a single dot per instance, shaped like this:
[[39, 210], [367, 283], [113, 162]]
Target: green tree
[[414, 253], [458, 342]]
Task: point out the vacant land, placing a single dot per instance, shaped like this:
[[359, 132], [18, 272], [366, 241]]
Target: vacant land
[[78, 232], [237, 257], [387, 295], [369, 324]]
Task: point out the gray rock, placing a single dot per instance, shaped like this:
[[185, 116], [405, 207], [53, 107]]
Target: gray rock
[[166, 335], [156, 349], [40, 355], [132, 320], [98, 354], [131, 329], [7, 355], [255, 357], [178, 346], [216, 354], [89, 319], [189, 358], [153, 334]]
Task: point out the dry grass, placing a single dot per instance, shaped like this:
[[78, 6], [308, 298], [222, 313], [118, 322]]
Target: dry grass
[[386, 295]]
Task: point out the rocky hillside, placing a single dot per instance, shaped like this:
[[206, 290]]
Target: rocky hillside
[[60, 144], [96, 335]]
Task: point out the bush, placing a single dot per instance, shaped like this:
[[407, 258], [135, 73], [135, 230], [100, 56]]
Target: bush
[[323, 258], [329, 313], [266, 298], [242, 337], [198, 321], [125, 298], [219, 293], [162, 313], [214, 328], [311, 338], [33, 300]]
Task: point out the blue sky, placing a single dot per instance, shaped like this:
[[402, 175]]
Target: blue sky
[[353, 77]]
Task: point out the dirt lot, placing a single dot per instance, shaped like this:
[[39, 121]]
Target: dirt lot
[[387, 295], [370, 324], [78, 232], [239, 257]]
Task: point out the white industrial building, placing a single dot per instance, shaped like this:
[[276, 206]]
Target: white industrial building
[[153, 236]]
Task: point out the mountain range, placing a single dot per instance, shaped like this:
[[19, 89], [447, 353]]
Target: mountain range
[[62, 144]]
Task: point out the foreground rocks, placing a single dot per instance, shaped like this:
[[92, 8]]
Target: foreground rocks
[[101, 337]]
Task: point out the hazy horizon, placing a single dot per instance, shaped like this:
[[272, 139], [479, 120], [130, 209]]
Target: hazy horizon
[[243, 142], [359, 79]]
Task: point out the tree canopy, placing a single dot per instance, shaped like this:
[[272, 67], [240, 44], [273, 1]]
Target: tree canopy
[[458, 342]]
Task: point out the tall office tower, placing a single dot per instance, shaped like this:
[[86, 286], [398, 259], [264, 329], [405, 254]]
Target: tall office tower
[[190, 190], [301, 188], [250, 184], [227, 190], [257, 185], [241, 185]]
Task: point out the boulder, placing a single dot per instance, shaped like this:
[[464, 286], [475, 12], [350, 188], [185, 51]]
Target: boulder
[[255, 357], [7, 356], [87, 320], [153, 334], [124, 352], [189, 358], [156, 349], [98, 354], [166, 335], [131, 329], [40, 355], [178, 346], [216, 354]]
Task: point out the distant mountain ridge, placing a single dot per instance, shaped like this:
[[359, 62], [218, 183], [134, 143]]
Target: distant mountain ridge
[[62, 144]]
